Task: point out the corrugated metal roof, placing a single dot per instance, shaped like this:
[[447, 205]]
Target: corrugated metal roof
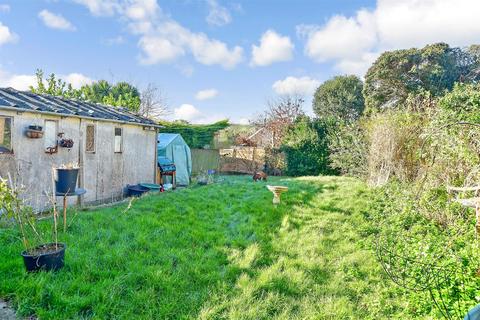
[[32, 102]]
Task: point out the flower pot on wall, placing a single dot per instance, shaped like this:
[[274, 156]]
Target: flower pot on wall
[[45, 257], [34, 132], [36, 128], [66, 143], [66, 180]]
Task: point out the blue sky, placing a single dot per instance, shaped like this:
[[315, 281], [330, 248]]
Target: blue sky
[[214, 59]]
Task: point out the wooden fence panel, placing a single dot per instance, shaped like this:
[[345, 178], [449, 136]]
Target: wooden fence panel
[[205, 159]]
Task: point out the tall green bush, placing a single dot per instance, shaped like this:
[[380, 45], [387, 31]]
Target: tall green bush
[[348, 148], [306, 148]]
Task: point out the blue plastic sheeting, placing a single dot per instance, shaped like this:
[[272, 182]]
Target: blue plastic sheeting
[[164, 139], [173, 147], [474, 314]]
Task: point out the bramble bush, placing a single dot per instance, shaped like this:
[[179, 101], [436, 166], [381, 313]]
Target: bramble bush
[[426, 241]]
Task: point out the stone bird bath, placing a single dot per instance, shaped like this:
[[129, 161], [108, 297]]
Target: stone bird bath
[[277, 191]]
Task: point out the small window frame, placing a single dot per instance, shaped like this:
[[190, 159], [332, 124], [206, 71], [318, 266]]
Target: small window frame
[[94, 138], [4, 150], [115, 140]]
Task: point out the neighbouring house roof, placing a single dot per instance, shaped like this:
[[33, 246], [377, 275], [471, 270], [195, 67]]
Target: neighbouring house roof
[[27, 101]]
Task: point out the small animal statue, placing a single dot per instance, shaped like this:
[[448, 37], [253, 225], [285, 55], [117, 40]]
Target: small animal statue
[[260, 175]]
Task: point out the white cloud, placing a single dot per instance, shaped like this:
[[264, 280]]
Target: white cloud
[[142, 9], [293, 85], [162, 39], [17, 81], [206, 94], [24, 81], [416, 23], [191, 114], [186, 112], [4, 8], [55, 21], [273, 48], [341, 37], [100, 7], [217, 15], [352, 42], [158, 49], [6, 35], [76, 79], [170, 40]]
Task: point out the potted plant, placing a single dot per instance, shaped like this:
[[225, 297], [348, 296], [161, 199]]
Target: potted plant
[[34, 132], [38, 254], [66, 178], [66, 143]]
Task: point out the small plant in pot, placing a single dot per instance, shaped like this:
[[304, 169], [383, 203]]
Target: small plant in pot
[[66, 178], [34, 131], [38, 254]]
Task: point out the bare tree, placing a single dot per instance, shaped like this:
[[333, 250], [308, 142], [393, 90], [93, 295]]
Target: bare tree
[[153, 103], [280, 115]]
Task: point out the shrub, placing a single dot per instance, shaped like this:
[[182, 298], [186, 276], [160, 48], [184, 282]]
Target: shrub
[[348, 148], [274, 161], [306, 148], [427, 245], [452, 144], [395, 139]]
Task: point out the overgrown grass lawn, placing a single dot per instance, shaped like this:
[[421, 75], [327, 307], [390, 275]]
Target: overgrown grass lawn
[[221, 251]]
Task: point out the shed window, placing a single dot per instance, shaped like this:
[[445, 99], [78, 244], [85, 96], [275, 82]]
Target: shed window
[[118, 140], [50, 136], [90, 138], [5, 135]]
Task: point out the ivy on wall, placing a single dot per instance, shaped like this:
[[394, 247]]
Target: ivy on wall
[[195, 135]]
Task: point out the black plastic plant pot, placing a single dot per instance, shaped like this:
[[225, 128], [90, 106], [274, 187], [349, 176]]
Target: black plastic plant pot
[[36, 128], [136, 190], [66, 180], [46, 257]]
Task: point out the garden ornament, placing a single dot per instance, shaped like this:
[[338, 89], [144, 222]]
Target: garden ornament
[[277, 191]]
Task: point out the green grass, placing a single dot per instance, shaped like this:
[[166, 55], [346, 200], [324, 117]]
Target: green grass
[[217, 252]]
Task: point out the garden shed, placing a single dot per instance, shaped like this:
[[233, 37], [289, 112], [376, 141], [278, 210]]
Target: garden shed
[[112, 146], [173, 147]]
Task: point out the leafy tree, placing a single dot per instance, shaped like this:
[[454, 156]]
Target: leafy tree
[[434, 68], [96, 91], [462, 104], [54, 86], [121, 94], [280, 115], [339, 98], [305, 145]]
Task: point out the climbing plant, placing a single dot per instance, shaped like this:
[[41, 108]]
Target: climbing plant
[[195, 135]]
